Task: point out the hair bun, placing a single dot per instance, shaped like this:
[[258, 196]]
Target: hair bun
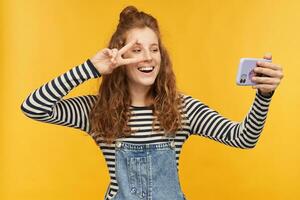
[[128, 11]]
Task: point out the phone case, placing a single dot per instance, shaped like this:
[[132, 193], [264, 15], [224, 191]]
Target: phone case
[[245, 70]]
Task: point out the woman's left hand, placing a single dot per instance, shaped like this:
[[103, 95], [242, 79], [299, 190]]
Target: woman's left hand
[[271, 76]]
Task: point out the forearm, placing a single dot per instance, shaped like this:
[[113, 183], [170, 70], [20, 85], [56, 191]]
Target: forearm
[[41, 101]]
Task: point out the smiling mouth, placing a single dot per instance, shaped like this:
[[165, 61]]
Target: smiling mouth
[[145, 69]]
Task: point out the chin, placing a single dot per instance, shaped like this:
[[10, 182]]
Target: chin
[[147, 83]]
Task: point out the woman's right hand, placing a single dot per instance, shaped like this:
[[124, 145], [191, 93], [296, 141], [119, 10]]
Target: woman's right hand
[[106, 60]]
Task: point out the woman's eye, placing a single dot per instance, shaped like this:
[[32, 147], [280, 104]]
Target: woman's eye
[[136, 50], [155, 50]]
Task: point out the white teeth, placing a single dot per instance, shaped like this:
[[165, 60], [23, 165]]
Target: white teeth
[[145, 68]]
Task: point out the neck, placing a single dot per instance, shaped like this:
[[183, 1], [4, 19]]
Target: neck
[[140, 95]]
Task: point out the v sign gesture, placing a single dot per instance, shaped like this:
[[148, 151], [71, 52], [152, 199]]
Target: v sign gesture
[[106, 60]]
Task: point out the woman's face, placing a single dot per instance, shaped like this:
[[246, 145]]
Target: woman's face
[[143, 73]]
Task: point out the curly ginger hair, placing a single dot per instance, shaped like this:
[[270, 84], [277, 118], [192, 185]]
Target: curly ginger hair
[[110, 114]]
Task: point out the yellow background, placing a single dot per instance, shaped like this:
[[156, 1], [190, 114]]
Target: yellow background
[[43, 39]]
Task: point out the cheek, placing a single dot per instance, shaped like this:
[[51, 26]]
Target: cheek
[[158, 58], [158, 61], [130, 70], [158, 70]]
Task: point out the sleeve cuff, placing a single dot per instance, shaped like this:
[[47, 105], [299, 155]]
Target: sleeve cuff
[[266, 97], [93, 68]]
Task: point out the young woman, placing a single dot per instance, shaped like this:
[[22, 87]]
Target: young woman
[[139, 119]]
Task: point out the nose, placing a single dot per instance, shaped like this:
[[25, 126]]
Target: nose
[[147, 56]]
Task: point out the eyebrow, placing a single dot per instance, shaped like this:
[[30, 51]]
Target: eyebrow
[[150, 44]]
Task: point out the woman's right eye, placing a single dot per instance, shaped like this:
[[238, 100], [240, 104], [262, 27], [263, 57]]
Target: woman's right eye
[[136, 50]]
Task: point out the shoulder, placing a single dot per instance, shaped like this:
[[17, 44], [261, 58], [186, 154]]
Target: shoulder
[[87, 100], [190, 103], [188, 99], [92, 98]]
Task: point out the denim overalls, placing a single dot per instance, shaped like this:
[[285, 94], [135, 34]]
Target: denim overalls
[[147, 171]]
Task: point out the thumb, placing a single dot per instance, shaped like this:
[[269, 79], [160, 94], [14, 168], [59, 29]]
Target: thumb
[[268, 56]]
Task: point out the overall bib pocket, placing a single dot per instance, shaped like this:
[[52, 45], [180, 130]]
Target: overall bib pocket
[[147, 172]]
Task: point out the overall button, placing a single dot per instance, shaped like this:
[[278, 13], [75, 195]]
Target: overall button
[[118, 144], [173, 144], [143, 194], [133, 190]]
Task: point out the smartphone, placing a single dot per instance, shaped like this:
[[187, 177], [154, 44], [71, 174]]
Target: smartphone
[[245, 70]]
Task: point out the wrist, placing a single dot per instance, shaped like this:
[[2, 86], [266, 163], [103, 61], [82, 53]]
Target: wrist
[[92, 67], [266, 94]]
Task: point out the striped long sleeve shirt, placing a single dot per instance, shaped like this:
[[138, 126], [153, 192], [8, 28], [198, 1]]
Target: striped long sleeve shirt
[[46, 104]]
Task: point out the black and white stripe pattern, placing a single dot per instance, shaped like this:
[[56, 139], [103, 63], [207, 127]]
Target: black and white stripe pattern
[[46, 104]]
